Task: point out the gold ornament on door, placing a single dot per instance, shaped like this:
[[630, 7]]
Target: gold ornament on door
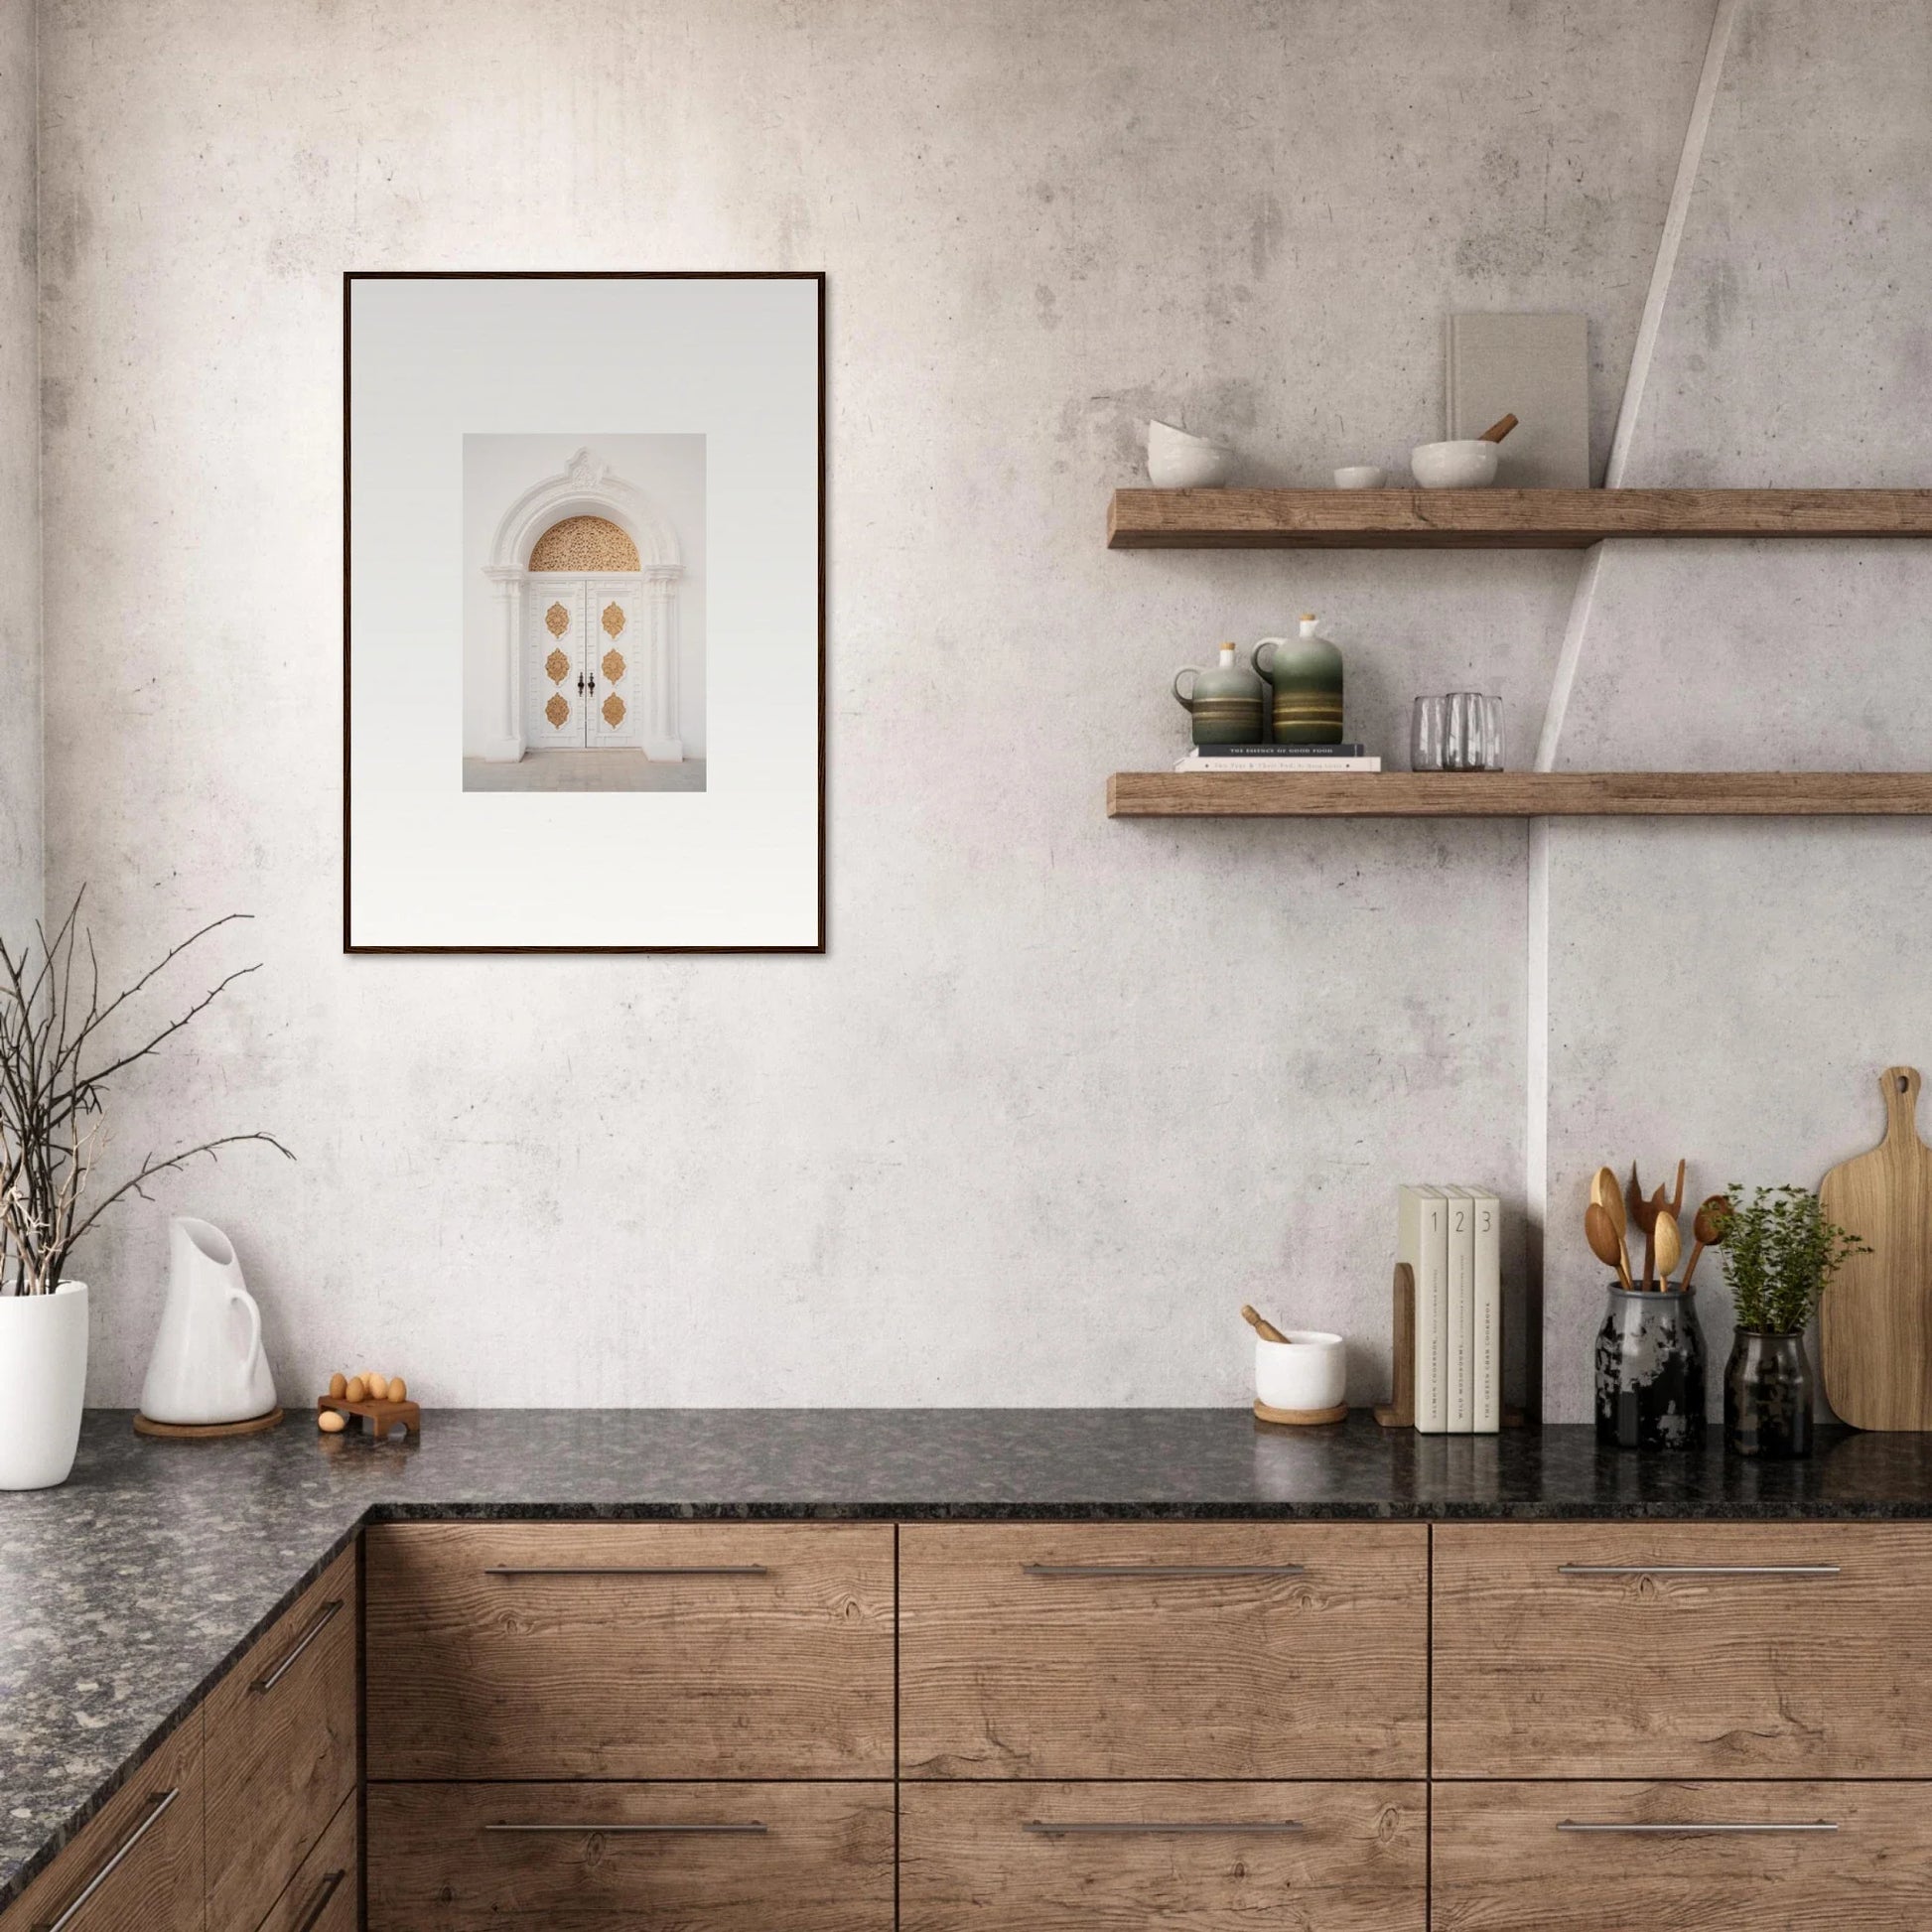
[[556, 666], [612, 619], [556, 620], [614, 711], [613, 666], [557, 709]]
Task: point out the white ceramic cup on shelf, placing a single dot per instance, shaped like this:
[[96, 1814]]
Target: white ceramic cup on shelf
[[1308, 1371], [1360, 475]]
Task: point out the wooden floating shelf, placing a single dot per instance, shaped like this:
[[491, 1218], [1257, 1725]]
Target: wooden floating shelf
[[1519, 795], [1498, 519]]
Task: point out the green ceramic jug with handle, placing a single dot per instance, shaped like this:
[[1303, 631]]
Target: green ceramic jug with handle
[[1305, 675], [1225, 701]]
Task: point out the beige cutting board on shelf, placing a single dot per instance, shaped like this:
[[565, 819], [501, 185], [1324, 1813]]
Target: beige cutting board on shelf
[[1875, 1326]]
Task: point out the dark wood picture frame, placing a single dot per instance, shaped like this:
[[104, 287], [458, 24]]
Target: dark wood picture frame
[[350, 278]]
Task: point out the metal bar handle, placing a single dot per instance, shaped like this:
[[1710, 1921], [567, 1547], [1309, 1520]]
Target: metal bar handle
[[323, 1617], [629, 1570], [158, 1804], [1162, 1570], [1135, 1828], [1698, 1570], [1702, 1830], [750, 1828], [319, 1903]]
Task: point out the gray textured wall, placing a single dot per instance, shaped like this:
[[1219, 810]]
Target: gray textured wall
[[20, 450], [1065, 1092]]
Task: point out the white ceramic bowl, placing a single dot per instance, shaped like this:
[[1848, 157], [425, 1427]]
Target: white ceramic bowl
[[1360, 475], [1178, 461], [1309, 1370], [1469, 464]]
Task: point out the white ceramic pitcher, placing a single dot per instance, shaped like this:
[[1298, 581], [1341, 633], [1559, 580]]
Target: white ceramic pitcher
[[208, 1363]]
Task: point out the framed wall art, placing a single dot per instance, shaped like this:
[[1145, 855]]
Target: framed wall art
[[584, 649]]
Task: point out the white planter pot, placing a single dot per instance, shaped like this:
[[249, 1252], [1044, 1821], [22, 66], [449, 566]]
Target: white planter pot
[[43, 1382]]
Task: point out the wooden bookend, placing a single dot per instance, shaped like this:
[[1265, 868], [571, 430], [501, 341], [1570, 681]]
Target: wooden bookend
[[1399, 1412]]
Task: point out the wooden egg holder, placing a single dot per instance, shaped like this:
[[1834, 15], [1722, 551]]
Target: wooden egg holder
[[377, 1417], [1400, 1411]]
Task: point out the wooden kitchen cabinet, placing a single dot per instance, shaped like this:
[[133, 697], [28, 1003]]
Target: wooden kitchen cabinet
[[631, 1651], [136, 1866], [1146, 1650], [281, 1750], [1191, 1857], [1718, 1650], [323, 1894], [1765, 1856], [605, 1857]]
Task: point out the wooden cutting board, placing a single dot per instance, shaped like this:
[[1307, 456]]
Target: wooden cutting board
[[1876, 1324]]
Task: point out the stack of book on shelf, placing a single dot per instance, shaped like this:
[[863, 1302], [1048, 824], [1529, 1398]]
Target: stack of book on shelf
[[1279, 757], [1450, 1237]]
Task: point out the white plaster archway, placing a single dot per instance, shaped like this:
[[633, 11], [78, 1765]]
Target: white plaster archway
[[588, 486]]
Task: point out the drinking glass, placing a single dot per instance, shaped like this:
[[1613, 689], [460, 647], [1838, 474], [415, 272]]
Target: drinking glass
[[1463, 732], [1425, 736], [1492, 734]]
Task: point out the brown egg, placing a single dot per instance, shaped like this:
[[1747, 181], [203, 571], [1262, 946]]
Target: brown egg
[[378, 1386], [357, 1391], [398, 1389], [337, 1383], [331, 1422]]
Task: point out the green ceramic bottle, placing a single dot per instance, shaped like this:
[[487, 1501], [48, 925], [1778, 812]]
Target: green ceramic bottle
[[1306, 673], [1224, 702]]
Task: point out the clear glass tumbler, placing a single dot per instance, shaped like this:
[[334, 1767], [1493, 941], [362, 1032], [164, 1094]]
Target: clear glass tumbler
[[1492, 734], [1426, 733], [1463, 732]]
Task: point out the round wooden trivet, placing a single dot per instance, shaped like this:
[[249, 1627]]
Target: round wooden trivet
[[1302, 1418], [205, 1432]]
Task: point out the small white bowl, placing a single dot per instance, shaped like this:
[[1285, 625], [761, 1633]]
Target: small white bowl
[[1469, 464], [1178, 461], [1360, 475], [1308, 1371]]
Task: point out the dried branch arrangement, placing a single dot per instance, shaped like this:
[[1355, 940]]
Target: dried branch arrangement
[[56, 1058]]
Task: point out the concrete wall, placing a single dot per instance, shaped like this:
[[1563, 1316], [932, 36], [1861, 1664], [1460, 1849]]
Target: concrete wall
[[20, 453], [1065, 1092]]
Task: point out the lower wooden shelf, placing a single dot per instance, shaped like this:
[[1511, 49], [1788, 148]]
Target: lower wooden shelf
[[1519, 795]]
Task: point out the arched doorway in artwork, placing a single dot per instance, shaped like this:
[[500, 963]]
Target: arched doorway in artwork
[[585, 571]]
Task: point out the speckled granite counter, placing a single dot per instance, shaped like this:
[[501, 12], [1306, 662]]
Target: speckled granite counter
[[127, 1592]]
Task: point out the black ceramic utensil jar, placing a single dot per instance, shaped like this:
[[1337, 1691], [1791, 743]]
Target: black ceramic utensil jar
[[1650, 1370]]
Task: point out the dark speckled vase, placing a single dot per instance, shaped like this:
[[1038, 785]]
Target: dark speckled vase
[[1650, 1370], [1767, 1396]]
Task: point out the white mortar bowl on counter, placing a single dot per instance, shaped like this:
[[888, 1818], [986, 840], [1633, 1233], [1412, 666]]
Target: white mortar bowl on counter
[[1309, 1370]]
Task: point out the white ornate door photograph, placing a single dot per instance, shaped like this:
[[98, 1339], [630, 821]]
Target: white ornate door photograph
[[584, 613]]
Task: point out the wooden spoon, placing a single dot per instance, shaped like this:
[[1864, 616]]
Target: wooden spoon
[[1655, 1209], [1497, 430], [1604, 1192], [1670, 1245], [1677, 1199], [1260, 1324], [1604, 1241], [1707, 1229], [1637, 1202]]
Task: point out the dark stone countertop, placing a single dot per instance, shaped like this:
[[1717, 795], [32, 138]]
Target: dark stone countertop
[[128, 1592]]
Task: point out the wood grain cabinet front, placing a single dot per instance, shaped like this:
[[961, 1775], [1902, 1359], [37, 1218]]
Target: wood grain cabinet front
[[1786, 1856], [1199, 1650], [605, 1857], [1191, 1857], [323, 1894], [650, 1650], [136, 1867], [281, 1750], [1716, 1650]]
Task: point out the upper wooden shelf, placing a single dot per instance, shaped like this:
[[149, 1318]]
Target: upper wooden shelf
[[1498, 519], [1519, 795]]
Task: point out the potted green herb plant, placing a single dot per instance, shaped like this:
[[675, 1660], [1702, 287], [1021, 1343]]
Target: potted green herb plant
[[1780, 1254], [63, 1042]]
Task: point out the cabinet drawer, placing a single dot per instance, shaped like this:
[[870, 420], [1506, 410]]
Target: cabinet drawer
[[1198, 1857], [1214, 1650], [1509, 1858], [136, 1867], [321, 1895], [654, 1650], [1683, 1649], [281, 1750], [704, 1858]]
